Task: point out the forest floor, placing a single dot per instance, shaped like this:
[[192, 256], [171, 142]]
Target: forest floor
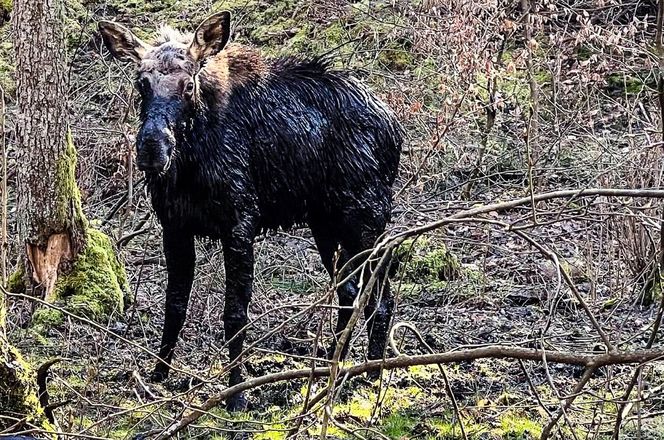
[[505, 291]]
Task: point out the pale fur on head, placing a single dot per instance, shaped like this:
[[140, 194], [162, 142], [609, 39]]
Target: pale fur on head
[[166, 34]]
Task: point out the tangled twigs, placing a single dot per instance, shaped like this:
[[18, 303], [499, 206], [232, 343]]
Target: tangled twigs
[[626, 406], [589, 361], [587, 374], [4, 244], [504, 206], [98, 327], [448, 387], [358, 306]]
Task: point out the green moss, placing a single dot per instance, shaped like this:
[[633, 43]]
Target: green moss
[[625, 83], [425, 372], [272, 432], [335, 34], [97, 283], [67, 192], [277, 32], [277, 27], [47, 317], [396, 55], [542, 77], [399, 426], [76, 22], [511, 426], [17, 388], [16, 281], [517, 427], [426, 263], [446, 429], [302, 39]]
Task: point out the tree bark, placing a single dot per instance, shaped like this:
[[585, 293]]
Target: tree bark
[[51, 226], [49, 221]]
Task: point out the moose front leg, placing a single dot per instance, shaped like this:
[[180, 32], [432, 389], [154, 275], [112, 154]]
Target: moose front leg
[[180, 264], [239, 265]]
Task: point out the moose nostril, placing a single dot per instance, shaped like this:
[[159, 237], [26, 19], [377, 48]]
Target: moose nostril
[[150, 143]]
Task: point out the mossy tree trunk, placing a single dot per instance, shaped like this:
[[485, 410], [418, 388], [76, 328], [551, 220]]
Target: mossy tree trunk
[[48, 229], [64, 259], [50, 223], [60, 252]]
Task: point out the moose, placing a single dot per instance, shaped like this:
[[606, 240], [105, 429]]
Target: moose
[[234, 144]]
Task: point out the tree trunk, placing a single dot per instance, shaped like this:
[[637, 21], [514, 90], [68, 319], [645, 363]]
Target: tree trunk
[[50, 223], [64, 259]]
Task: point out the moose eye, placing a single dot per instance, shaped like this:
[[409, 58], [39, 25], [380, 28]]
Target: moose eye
[[189, 89]]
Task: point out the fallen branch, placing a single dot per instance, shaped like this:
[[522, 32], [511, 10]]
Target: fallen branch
[[589, 361], [535, 198]]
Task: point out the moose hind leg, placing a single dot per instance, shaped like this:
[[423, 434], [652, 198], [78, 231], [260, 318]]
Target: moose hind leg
[[328, 245], [364, 227], [378, 314], [347, 294]]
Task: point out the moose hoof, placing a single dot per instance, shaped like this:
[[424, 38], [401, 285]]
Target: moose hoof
[[159, 374], [333, 348], [236, 403], [373, 375]]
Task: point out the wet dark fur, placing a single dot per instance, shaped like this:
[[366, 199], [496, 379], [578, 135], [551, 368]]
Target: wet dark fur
[[293, 143], [306, 140]]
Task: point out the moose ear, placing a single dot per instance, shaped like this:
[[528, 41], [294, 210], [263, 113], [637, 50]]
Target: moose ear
[[211, 36], [123, 44]]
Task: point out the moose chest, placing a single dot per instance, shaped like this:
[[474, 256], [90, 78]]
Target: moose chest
[[195, 209]]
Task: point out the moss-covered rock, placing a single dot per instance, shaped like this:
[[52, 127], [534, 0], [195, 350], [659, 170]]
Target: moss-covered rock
[[425, 262], [96, 285]]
